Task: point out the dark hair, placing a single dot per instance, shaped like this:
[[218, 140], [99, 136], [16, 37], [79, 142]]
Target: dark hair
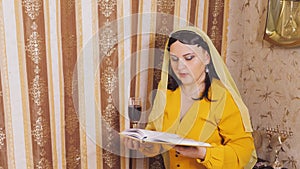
[[191, 38]]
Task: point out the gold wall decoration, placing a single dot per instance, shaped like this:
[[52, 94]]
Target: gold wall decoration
[[283, 23], [34, 44], [37, 90], [43, 164], [108, 79], [215, 22], [40, 131], [2, 138], [110, 160], [107, 40], [5, 125], [35, 63], [165, 6], [32, 7], [71, 129], [73, 156], [107, 7]]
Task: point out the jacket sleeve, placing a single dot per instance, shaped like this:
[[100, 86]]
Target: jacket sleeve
[[237, 146]]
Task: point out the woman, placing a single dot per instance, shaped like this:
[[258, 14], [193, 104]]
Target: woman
[[198, 99]]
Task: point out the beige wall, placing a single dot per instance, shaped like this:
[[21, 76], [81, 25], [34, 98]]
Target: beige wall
[[267, 76]]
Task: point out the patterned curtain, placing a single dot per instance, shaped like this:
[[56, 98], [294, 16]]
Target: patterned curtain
[[68, 68]]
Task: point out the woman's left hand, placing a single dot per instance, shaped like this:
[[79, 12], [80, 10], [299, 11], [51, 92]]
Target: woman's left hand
[[191, 151]]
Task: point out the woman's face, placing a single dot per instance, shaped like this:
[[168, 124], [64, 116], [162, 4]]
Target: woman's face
[[188, 62]]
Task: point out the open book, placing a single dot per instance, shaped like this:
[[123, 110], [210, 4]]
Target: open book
[[160, 137]]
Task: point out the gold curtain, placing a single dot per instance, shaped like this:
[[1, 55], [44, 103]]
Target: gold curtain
[[68, 67]]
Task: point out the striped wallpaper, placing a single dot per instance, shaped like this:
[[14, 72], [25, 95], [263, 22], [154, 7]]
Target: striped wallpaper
[[68, 68]]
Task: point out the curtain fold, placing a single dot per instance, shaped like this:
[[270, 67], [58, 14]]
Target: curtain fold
[[3, 150]]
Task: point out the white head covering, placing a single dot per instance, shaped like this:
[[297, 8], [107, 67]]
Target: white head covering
[[156, 115]]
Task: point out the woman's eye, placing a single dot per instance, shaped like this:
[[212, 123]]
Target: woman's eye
[[190, 57], [174, 58]]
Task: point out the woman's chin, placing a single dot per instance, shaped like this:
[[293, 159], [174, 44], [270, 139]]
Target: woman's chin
[[187, 82]]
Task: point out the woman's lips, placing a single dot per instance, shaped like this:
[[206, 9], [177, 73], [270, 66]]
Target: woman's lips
[[182, 74]]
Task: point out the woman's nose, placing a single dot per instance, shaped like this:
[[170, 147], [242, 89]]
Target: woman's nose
[[181, 64]]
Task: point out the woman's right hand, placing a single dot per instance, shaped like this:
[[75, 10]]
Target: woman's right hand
[[131, 143], [136, 145], [148, 149]]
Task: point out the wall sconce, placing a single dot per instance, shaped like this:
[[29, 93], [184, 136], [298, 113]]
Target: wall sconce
[[283, 23]]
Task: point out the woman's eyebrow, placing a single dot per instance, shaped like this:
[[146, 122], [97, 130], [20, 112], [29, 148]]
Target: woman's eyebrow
[[182, 55], [188, 53]]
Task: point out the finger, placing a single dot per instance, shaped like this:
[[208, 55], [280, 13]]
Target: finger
[[125, 141], [146, 145], [129, 143], [135, 144], [181, 148]]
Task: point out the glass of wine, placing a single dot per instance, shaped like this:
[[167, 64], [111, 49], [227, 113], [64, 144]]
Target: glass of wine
[[134, 110]]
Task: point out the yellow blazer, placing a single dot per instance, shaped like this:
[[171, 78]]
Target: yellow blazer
[[217, 122]]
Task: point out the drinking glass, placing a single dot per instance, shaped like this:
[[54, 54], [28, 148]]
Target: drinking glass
[[134, 110]]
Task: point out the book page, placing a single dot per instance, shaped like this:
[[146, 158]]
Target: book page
[[161, 138], [134, 133]]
